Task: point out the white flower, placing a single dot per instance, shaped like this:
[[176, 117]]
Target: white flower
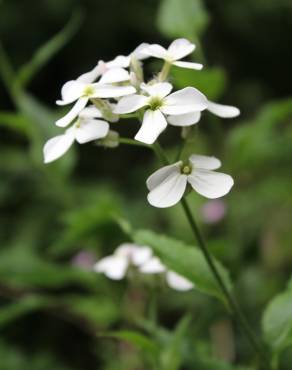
[[174, 280], [220, 110], [123, 61], [178, 282], [177, 50], [159, 103], [81, 92], [117, 65], [116, 265], [85, 129], [168, 184]]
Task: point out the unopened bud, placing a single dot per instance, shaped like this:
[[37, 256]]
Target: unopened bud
[[111, 140], [106, 109]]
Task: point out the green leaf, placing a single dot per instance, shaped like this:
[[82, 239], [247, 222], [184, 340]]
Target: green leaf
[[46, 52], [211, 81], [139, 340], [186, 260], [16, 122], [277, 322], [100, 311], [20, 267], [182, 18], [13, 311], [171, 356]]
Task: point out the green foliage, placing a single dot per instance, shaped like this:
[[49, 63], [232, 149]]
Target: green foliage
[[185, 260], [47, 51], [211, 81], [182, 18], [277, 321]]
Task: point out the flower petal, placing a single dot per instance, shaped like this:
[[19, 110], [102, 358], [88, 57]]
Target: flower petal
[[114, 267], [187, 119], [130, 104], [184, 101], [223, 111], [178, 282], [92, 75], [90, 112], [169, 192], [71, 91], [160, 175], [73, 113], [153, 124], [153, 266], [121, 61], [58, 145], [111, 91], [139, 52], [160, 89], [91, 130], [141, 255], [156, 51], [205, 162], [210, 184], [180, 48], [114, 75], [189, 65]]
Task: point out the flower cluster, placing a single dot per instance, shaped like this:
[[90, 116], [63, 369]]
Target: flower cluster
[[115, 266], [117, 89]]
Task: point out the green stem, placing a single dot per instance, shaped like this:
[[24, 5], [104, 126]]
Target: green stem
[[236, 310], [127, 141], [164, 72], [233, 305]]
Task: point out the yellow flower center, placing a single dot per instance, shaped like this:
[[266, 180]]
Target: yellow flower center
[[155, 102], [88, 91]]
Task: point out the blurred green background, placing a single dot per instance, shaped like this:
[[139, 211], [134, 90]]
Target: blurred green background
[[57, 219]]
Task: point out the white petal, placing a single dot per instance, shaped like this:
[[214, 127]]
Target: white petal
[[111, 91], [178, 282], [91, 130], [139, 52], [141, 255], [156, 51], [160, 89], [205, 162], [210, 184], [153, 266], [223, 111], [71, 91], [184, 101], [189, 65], [153, 124], [90, 112], [92, 75], [160, 175], [121, 61], [58, 145], [130, 104], [73, 113], [187, 119], [114, 267], [180, 48], [114, 75], [169, 192]]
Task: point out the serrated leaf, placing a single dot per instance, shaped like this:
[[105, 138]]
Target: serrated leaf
[[186, 260]]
